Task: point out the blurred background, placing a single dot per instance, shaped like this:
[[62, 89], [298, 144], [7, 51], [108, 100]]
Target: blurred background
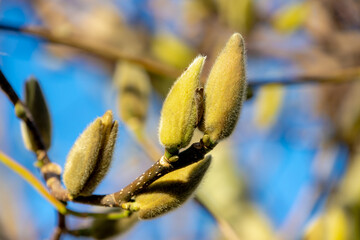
[[288, 172]]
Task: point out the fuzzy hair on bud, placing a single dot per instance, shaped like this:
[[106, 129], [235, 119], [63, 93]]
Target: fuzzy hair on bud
[[171, 190], [225, 90], [179, 113], [36, 103], [90, 157], [134, 91], [104, 228]]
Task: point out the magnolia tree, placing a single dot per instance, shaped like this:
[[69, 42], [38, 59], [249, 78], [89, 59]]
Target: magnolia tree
[[172, 179]]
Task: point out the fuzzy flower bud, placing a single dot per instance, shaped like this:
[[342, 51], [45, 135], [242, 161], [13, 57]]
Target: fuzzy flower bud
[[36, 103], [225, 90], [134, 92], [105, 228], [180, 112], [90, 157], [171, 190]]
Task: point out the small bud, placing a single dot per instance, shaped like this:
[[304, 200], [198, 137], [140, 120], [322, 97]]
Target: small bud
[[171, 190], [291, 17], [90, 157], [104, 228], [268, 104], [225, 90], [180, 112], [36, 103], [134, 91], [19, 110]]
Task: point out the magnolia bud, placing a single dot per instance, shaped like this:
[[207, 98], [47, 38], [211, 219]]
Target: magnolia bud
[[134, 91], [225, 90], [103, 228], [171, 190], [268, 104], [180, 112], [36, 103], [89, 159]]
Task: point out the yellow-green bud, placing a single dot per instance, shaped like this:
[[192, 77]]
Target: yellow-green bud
[[225, 90], [90, 157], [180, 112], [134, 91], [171, 190], [105, 228], [268, 104], [36, 103]]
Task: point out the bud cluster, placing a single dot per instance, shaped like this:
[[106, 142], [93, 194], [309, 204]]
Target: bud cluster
[[224, 93]]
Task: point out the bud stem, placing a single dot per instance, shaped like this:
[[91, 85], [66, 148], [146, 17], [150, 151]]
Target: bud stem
[[25, 113], [193, 154]]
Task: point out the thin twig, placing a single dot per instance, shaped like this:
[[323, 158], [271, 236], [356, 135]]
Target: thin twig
[[61, 227], [114, 54], [109, 216], [101, 50], [51, 172], [332, 77], [61, 207], [224, 226], [32, 180], [145, 143], [193, 154], [27, 117]]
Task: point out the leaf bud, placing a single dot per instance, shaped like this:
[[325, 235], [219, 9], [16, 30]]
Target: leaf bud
[[36, 103], [180, 112], [90, 157]]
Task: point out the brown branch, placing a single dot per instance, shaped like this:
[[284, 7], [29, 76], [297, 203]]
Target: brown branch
[[61, 227], [345, 75], [193, 154], [101, 50], [51, 172], [26, 116], [114, 54], [6, 87], [153, 153]]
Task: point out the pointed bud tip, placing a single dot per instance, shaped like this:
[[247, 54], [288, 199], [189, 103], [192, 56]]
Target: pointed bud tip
[[179, 113], [236, 40], [196, 66], [107, 118], [223, 104], [199, 60]]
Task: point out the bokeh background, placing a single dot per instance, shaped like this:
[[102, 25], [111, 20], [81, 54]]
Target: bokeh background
[[288, 160]]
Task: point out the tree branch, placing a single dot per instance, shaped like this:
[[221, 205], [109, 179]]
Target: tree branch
[[51, 171], [114, 54], [95, 48], [193, 154], [59, 206], [61, 227], [153, 153], [32, 180], [26, 116], [345, 75]]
